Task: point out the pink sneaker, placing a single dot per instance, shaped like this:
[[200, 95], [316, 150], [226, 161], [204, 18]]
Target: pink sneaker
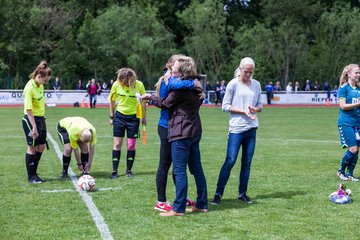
[[163, 206], [190, 202]]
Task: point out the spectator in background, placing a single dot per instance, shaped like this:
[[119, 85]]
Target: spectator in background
[[316, 86], [297, 87], [222, 90], [99, 90], [269, 91], [335, 92], [289, 88], [207, 88], [88, 84], [93, 89], [79, 86], [57, 84], [277, 87], [104, 87], [217, 92], [327, 89], [307, 86], [111, 83]]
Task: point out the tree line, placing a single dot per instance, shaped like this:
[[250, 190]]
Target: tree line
[[290, 40]]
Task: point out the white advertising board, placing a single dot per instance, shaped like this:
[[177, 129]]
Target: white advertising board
[[14, 97]]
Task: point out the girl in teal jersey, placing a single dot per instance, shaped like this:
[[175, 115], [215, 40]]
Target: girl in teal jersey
[[349, 121]]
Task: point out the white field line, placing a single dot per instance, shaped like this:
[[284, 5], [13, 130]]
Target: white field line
[[96, 215], [72, 190]]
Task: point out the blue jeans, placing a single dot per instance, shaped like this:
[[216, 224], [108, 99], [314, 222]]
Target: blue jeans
[[187, 152], [235, 140]]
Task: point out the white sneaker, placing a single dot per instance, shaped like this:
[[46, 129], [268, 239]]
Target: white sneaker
[[342, 177], [353, 179]]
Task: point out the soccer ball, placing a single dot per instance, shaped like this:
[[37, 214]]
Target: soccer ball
[[86, 183]]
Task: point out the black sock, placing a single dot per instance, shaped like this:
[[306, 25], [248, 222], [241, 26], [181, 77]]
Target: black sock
[[30, 165], [130, 159], [84, 159], [116, 159], [37, 160], [66, 163]]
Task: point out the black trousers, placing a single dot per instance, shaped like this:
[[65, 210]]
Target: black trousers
[[164, 164]]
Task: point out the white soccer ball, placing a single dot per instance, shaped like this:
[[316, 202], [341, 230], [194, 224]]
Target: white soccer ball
[[86, 183], [348, 191]]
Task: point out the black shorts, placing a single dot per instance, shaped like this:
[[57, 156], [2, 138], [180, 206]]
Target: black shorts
[[62, 134], [41, 127], [126, 122]]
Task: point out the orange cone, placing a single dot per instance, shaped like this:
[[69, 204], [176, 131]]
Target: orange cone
[[327, 102], [83, 103]]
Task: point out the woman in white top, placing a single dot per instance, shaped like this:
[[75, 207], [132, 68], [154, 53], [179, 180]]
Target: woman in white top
[[243, 101]]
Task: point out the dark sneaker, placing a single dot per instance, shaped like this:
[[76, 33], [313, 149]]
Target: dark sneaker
[[216, 200], [40, 179], [245, 199], [130, 174], [114, 175], [63, 175], [35, 180]]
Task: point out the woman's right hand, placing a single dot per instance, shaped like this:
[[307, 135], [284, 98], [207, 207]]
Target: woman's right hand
[[111, 121], [35, 133], [146, 96]]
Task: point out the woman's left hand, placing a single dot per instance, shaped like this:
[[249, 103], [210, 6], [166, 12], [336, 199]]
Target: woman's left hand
[[252, 109]]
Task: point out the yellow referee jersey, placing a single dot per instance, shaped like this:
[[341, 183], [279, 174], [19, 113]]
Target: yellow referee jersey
[[74, 126], [126, 97], [34, 98]]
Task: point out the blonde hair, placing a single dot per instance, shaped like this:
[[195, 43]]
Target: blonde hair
[[243, 62], [86, 135], [168, 65], [42, 69], [187, 68], [127, 77], [344, 77]]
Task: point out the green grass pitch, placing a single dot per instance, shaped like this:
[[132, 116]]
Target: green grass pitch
[[292, 175]]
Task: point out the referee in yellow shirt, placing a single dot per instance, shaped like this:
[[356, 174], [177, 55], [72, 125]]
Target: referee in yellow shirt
[[127, 91], [34, 121], [75, 133]]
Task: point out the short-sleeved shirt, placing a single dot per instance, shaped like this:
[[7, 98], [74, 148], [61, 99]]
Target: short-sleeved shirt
[[126, 97], [74, 126], [351, 95], [34, 98]]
